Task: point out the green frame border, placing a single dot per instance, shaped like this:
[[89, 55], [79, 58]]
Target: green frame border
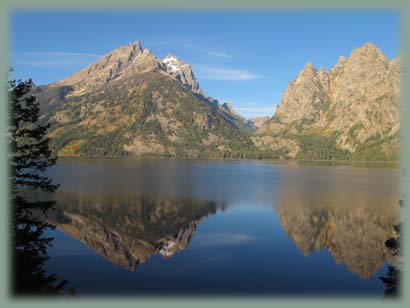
[[6, 6]]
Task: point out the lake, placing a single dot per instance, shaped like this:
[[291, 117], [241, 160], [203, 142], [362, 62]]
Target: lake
[[157, 226]]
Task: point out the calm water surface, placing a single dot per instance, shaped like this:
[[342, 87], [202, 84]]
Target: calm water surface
[[157, 226]]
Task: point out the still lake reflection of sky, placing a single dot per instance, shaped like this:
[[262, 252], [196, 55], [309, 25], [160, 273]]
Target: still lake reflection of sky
[[209, 227]]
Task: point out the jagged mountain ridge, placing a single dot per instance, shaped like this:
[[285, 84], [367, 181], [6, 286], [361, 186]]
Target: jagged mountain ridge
[[131, 103], [353, 109], [183, 72]]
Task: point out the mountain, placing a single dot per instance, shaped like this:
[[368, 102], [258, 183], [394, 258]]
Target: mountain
[[349, 112], [131, 103], [259, 121]]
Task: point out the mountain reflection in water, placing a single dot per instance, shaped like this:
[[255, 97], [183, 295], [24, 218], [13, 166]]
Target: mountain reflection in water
[[354, 236], [209, 227], [338, 216], [128, 230]]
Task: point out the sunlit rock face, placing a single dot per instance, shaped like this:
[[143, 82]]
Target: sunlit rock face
[[354, 235], [128, 230], [120, 63], [356, 104]]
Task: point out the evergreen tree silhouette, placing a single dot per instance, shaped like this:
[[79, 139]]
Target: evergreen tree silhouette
[[30, 157]]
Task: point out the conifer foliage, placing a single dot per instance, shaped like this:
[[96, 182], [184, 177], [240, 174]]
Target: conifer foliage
[[29, 159]]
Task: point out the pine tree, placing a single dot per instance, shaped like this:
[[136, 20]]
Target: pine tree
[[29, 159]]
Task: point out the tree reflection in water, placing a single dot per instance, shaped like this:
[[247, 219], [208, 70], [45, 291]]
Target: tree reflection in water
[[392, 278]]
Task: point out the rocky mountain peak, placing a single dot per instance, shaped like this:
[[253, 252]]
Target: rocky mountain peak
[[357, 102], [119, 58], [365, 65], [305, 96], [182, 72], [309, 69], [368, 53], [309, 66], [128, 52], [308, 72], [157, 103], [108, 67], [172, 63], [367, 49], [124, 55]]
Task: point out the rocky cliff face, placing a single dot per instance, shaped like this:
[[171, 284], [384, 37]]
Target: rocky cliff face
[[354, 106], [120, 63], [305, 98]]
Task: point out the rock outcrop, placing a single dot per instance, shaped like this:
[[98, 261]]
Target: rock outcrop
[[119, 63], [355, 106]]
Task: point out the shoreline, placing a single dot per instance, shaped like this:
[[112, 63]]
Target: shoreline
[[392, 164]]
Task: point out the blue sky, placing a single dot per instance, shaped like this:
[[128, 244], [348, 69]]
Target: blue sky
[[245, 57]]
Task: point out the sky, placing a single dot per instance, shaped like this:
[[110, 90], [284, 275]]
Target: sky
[[245, 57]]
